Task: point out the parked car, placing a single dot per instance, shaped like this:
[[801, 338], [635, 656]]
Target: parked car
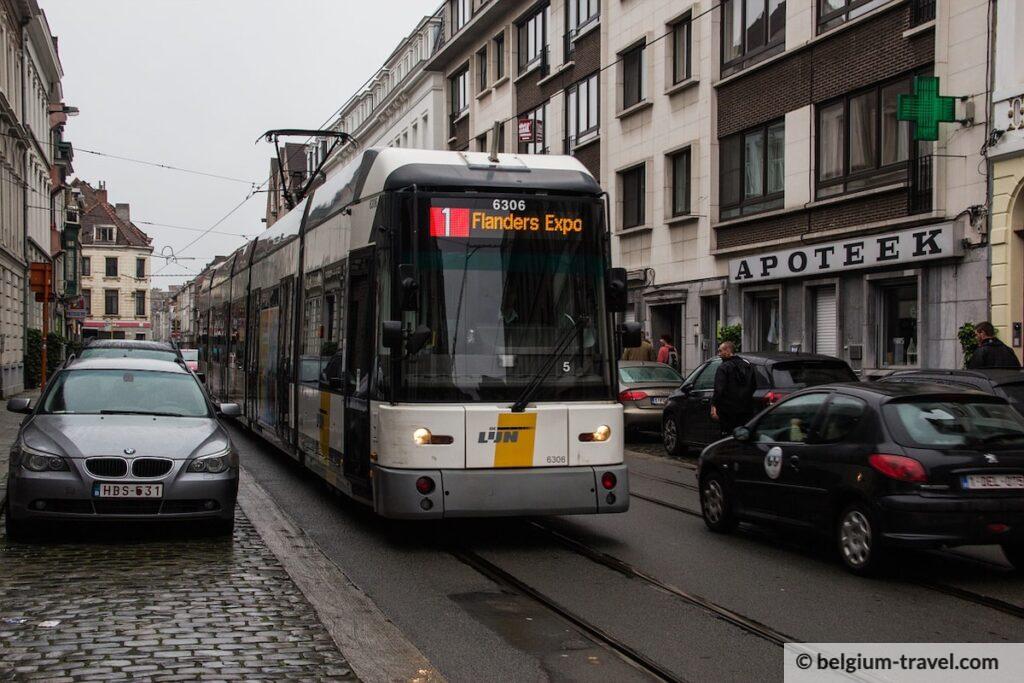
[[191, 358], [998, 382], [130, 348], [644, 387], [876, 465], [122, 439], [687, 422]]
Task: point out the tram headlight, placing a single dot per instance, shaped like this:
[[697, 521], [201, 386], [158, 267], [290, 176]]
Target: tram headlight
[[422, 436]]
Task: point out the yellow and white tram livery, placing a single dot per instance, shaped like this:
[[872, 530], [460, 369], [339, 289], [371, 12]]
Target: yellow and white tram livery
[[431, 332]]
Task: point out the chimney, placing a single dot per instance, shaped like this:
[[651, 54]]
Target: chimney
[[101, 191], [123, 212]]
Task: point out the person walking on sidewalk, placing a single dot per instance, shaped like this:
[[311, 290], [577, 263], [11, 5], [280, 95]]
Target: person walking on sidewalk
[[667, 354], [734, 389], [991, 353], [643, 352]]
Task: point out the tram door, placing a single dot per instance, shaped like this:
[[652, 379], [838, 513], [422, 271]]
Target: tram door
[[252, 375], [359, 345]]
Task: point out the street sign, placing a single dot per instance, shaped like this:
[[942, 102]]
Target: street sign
[[926, 108]]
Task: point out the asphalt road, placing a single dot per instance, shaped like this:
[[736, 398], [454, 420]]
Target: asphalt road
[[625, 597]]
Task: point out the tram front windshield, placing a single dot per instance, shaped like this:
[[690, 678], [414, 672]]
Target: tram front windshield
[[502, 283]]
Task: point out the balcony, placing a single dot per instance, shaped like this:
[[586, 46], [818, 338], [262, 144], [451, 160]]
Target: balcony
[[919, 185]]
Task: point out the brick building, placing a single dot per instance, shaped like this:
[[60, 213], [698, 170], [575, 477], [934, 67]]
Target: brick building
[[115, 269]]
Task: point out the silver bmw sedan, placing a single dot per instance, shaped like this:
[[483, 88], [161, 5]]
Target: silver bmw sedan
[[125, 439]]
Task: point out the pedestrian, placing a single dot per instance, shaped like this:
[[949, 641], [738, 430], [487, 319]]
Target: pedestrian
[[991, 353], [643, 352], [667, 354], [734, 389]]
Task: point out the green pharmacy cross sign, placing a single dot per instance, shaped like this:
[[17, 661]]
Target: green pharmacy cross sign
[[926, 108]]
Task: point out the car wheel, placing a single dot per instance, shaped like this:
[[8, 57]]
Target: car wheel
[[671, 437], [716, 504], [1015, 555], [859, 540], [223, 527]]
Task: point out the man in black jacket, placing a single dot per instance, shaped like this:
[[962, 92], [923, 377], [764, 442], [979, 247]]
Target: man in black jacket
[[991, 353], [734, 389]]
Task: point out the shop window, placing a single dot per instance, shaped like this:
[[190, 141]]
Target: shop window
[[898, 312], [765, 323]]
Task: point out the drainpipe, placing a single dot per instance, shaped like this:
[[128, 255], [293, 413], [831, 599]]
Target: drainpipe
[[25, 289]]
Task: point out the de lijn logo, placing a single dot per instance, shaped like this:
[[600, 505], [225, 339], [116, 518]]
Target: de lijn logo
[[501, 434], [773, 462]]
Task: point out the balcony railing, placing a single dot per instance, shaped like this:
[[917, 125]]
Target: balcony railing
[[920, 187], [921, 11]]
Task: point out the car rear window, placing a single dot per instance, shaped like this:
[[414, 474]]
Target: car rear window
[[650, 373], [190, 354], [955, 423], [810, 373], [126, 352], [144, 392]]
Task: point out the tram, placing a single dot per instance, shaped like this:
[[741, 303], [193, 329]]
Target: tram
[[432, 333]]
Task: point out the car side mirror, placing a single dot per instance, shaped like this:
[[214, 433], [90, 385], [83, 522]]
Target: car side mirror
[[741, 434], [19, 405], [229, 409], [629, 334], [391, 335], [409, 288], [616, 291]]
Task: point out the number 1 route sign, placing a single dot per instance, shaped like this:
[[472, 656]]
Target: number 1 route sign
[[926, 108]]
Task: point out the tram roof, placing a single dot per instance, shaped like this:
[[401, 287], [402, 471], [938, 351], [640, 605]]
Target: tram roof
[[392, 168]]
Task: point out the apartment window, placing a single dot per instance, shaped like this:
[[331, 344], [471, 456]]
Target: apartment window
[[832, 13], [140, 302], [581, 110], [110, 269], [751, 31], [680, 166], [481, 69], [634, 190], [533, 39], [501, 137], [752, 170], [140, 268], [459, 86], [581, 13], [103, 233], [681, 51], [461, 12], [537, 142], [632, 76], [481, 143], [860, 142], [86, 266], [87, 300], [898, 312], [109, 302], [499, 56]]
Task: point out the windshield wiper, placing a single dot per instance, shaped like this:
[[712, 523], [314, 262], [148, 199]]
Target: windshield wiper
[[538, 379], [139, 412]]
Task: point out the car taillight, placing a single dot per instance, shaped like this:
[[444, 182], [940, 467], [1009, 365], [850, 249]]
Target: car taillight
[[632, 395], [608, 480], [773, 397], [898, 467]]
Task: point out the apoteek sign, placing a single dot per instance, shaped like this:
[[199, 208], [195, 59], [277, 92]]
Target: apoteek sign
[[870, 251]]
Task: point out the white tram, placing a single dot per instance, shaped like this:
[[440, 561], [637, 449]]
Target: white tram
[[431, 333]]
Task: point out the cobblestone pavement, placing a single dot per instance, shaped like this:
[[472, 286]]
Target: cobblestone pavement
[[178, 608]]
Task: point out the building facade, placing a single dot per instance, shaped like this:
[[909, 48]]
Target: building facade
[[1006, 156], [115, 269]]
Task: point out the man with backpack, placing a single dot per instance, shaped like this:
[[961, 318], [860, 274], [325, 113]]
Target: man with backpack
[[667, 354], [734, 388]]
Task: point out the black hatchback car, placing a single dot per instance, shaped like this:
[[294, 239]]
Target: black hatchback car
[[999, 382], [686, 420], [876, 465]]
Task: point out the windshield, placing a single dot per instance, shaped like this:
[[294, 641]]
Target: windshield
[[810, 373], [952, 424], [128, 352], [650, 373], [190, 354], [502, 281], [138, 392]]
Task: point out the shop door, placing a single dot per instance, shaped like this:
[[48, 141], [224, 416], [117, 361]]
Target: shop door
[[825, 324]]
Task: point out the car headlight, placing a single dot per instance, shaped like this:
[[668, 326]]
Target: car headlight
[[38, 461], [212, 464]]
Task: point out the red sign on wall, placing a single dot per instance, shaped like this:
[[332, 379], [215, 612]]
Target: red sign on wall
[[448, 222]]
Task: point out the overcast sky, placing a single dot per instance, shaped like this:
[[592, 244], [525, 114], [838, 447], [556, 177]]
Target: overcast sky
[[192, 83]]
